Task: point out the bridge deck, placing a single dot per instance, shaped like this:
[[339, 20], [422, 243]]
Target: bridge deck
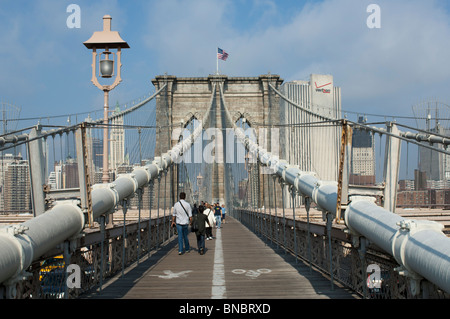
[[237, 265]]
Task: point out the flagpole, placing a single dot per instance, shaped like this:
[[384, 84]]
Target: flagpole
[[217, 62]]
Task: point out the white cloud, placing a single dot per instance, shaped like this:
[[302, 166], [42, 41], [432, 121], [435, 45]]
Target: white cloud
[[397, 63], [42, 60], [185, 35]]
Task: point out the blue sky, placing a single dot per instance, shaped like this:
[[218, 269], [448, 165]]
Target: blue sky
[[45, 68]]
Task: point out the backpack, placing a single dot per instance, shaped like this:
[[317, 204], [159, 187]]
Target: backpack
[[194, 226]]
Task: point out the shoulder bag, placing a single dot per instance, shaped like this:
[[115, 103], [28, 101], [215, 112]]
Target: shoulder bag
[[194, 226]]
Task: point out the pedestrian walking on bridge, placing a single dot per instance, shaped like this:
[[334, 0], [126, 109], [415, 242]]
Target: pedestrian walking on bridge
[[181, 218], [218, 215]]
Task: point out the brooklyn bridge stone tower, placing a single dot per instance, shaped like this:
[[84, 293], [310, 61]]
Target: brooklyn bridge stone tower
[[188, 98]]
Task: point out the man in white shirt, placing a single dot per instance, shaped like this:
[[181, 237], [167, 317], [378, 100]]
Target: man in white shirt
[[182, 217]]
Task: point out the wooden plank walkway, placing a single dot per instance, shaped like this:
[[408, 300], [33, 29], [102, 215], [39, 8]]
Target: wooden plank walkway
[[237, 265]]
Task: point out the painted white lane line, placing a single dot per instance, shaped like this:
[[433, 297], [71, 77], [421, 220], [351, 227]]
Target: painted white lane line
[[218, 283]]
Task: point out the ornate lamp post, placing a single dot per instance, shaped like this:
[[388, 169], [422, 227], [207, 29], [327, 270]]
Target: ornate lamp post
[[106, 40]]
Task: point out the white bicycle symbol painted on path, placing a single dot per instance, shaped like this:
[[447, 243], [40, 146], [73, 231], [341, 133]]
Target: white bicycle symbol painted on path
[[253, 274]]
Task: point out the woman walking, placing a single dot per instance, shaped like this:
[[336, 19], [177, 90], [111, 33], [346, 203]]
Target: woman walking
[[212, 221], [201, 221]]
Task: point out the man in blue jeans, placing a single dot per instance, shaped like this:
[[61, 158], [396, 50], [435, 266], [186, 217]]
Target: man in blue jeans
[[182, 217], [218, 215]]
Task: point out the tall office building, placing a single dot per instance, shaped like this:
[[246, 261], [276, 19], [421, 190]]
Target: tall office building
[[5, 160], [70, 174], [52, 180], [436, 165], [95, 148], [65, 175], [363, 157], [16, 192], [58, 176], [312, 143], [117, 144], [431, 113], [97, 153]]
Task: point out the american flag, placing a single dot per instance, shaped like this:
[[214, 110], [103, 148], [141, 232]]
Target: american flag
[[221, 54]]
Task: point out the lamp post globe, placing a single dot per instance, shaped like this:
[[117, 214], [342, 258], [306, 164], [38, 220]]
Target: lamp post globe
[[106, 68]]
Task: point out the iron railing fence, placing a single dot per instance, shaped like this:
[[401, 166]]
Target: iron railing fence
[[99, 259], [310, 244]]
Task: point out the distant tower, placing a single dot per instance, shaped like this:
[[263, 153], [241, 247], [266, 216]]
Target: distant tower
[[363, 157], [305, 145], [200, 186], [9, 114], [9, 119], [200, 180], [117, 144], [433, 117], [184, 97], [95, 146], [16, 183]]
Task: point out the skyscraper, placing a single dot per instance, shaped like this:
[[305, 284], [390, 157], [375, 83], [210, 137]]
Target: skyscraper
[[308, 136], [363, 157], [431, 113], [435, 164], [16, 193], [117, 144]]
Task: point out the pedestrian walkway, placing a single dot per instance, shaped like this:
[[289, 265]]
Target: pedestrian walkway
[[237, 265]]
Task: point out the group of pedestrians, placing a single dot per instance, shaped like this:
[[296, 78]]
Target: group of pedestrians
[[206, 217]]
